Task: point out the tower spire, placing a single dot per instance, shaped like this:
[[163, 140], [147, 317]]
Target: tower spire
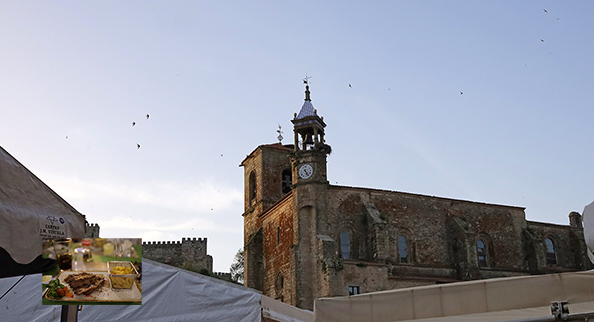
[[306, 82]]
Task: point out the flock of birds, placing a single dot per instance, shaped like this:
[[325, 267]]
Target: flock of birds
[[545, 11], [133, 124]]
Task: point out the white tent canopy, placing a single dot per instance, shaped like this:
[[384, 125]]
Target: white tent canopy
[[588, 219], [168, 294], [500, 299], [30, 211]]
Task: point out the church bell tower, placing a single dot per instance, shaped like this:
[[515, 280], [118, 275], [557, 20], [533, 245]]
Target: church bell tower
[[310, 148], [309, 194]]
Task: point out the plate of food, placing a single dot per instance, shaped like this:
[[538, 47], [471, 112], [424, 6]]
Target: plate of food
[[88, 287]]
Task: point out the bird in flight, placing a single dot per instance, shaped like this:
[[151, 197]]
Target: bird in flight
[[461, 92], [542, 40], [133, 123], [350, 85], [147, 116], [545, 10], [137, 146]]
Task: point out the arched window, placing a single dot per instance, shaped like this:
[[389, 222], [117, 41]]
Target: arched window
[[403, 249], [550, 252], [286, 180], [482, 253], [252, 187], [345, 245], [279, 285]]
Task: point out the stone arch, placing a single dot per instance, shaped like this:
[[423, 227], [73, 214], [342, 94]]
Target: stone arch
[[252, 187], [484, 251], [395, 241], [550, 248], [347, 241], [404, 245]]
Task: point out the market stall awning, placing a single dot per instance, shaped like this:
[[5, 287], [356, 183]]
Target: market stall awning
[[29, 212]]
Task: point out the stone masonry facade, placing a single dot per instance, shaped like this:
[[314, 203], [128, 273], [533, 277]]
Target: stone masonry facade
[[188, 252], [305, 238], [91, 230]]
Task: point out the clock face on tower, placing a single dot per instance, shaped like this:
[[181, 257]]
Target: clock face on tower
[[305, 171]]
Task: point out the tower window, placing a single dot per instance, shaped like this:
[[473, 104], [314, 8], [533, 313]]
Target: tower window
[[345, 245], [277, 235], [252, 187], [481, 251], [286, 181], [403, 249], [550, 255]]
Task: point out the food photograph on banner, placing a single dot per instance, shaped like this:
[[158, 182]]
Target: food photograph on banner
[[93, 271]]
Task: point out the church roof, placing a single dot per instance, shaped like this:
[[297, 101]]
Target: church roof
[[306, 110]]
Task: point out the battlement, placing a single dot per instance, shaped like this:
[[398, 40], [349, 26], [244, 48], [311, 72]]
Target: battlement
[[162, 243], [195, 240], [222, 275], [188, 250], [183, 241], [91, 230]]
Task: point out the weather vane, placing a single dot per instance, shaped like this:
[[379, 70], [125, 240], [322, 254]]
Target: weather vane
[[306, 79], [280, 134]]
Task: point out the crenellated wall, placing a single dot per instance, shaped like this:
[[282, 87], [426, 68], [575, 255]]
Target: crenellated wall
[[188, 252], [91, 230]]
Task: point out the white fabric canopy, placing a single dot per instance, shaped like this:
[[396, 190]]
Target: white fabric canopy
[[169, 294], [31, 211], [497, 299]]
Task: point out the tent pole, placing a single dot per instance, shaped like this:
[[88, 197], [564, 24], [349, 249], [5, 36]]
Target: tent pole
[[69, 313]]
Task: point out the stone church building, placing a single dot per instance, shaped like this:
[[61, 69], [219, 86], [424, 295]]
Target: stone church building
[[305, 238]]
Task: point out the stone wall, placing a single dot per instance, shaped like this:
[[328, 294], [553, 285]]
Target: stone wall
[[441, 238], [569, 245], [278, 238], [266, 163], [91, 230], [425, 221], [189, 252], [299, 237]]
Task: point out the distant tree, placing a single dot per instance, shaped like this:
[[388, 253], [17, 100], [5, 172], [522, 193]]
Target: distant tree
[[237, 267]]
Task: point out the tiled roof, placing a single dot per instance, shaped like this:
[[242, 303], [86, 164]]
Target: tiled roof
[[306, 110]]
